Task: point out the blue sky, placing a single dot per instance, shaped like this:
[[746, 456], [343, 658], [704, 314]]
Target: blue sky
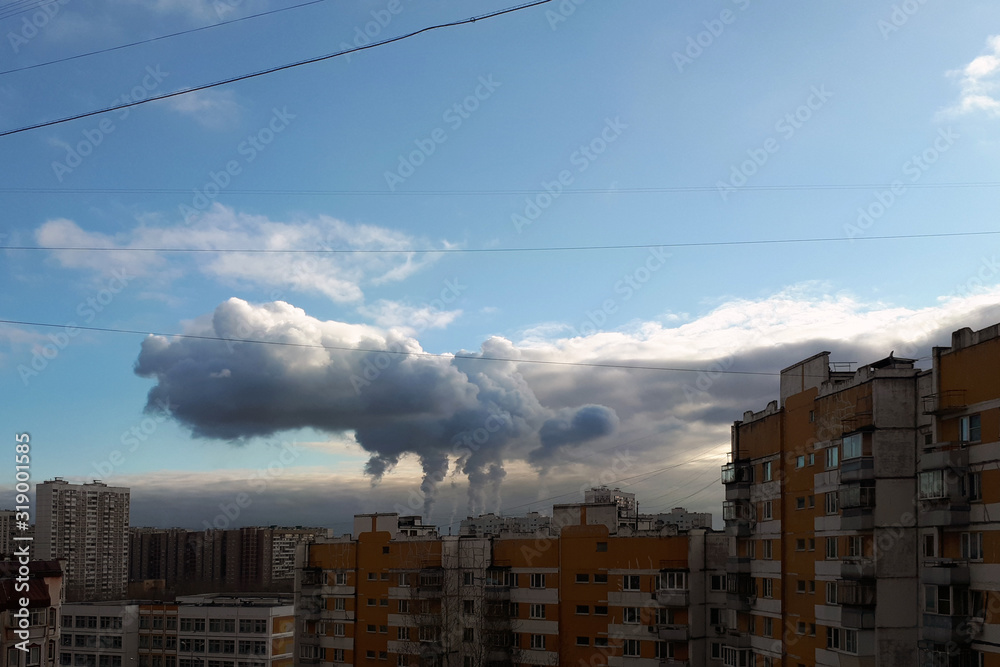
[[653, 123]]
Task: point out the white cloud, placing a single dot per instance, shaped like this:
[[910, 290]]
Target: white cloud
[[340, 276], [213, 109], [412, 319], [979, 83]]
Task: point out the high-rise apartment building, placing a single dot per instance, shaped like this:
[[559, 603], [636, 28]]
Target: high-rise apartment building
[[859, 512], [87, 525], [587, 588]]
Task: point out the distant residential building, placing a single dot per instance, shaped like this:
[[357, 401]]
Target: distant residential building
[[86, 524], [683, 519], [585, 591], [230, 630], [491, 524], [45, 593], [178, 561]]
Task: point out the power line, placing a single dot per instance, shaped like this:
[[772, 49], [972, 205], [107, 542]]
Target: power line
[[154, 39], [394, 352], [272, 70], [634, 246], [495, 192]]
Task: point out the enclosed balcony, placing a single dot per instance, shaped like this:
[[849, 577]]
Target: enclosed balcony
[[741, 591], [738, 476], [740, 517], [673, 633], [857, 568], [945, 572]]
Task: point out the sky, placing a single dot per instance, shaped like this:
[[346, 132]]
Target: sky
[[563, 246]]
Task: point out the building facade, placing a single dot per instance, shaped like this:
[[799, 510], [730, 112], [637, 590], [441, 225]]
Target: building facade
[[87, 525], [30, 634], [589, 592]]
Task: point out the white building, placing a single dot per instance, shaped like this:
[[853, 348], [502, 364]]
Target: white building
[[87, 524]]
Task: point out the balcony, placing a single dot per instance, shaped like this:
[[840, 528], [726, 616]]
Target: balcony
[[738, 564], [857, 568], [670, 597], [857, 469], [948, 401], [673, 633], [740, 517], [856, 593], [945, 572], [737, 476], [741, 591], [942, 629]]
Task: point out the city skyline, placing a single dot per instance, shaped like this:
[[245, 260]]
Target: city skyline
[[458, 140]]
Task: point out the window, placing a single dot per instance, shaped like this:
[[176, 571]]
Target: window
[[768, 510], [371, 628], [852, 446], [768, 626], [631, 615], [468, 578], [800, 586], [340, 579], [373, 576], [583, 641], [812, 458], [583, 578], [752, 549], [600, 578], [969, 429], [857, 495], [831, 457], [338, 629], [107, 622], [582, 609], [831, 592], [602, 546], [842, 639], [404, 606], [673, 580], [372, 602], [972, 546], [630, 582], [600, 641], [812, 588], [766, 549], [812, 501], [536, 611], [538, 642], [767, 587], [930, 545], [812, 544], [383, 629], [974, 486], [831, 547], [831, 502], [257, 626], [800, 503], [715, 616], [718, 582], [468, 634], [537, 580], [339, 604], [854, 546], [600, 610], [800, 461], [800, 544], [932, 484], [765, 470], [716, 650], [630, 648]]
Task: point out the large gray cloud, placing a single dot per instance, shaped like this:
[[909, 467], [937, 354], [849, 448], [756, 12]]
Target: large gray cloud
[[396, 399]]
